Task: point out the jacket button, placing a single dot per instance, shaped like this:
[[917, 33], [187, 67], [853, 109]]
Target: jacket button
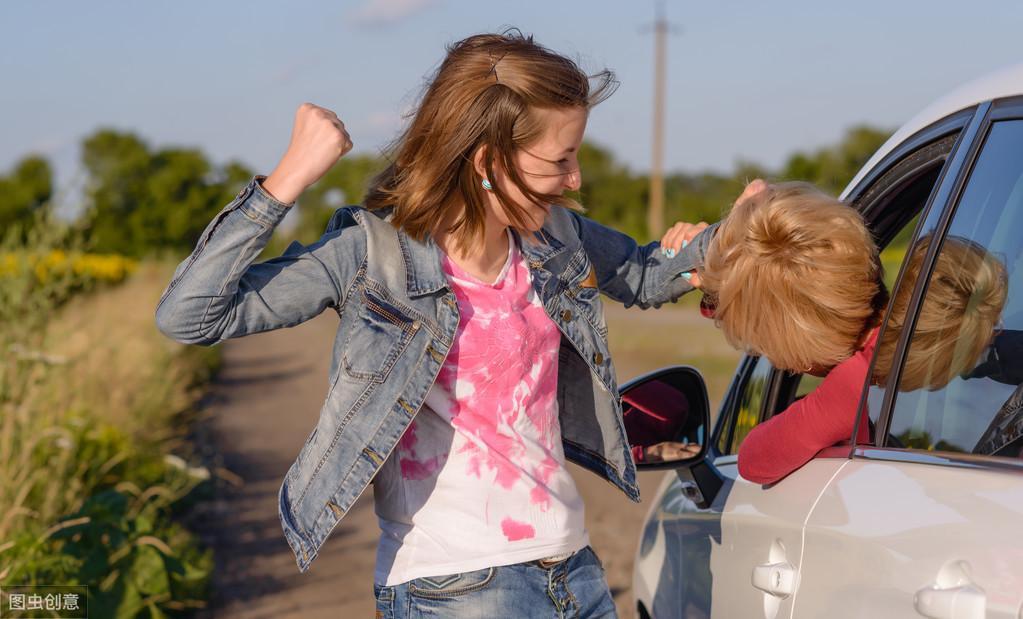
[[598, 358], [566, 315]]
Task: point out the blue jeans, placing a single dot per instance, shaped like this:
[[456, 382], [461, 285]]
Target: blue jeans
[[573, 587]]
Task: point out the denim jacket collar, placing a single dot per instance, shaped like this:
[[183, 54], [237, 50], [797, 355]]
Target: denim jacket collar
[[545, 247], [424, 274], [424, 270]]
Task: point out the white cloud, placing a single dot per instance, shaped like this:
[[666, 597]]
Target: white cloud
[[387, 12]]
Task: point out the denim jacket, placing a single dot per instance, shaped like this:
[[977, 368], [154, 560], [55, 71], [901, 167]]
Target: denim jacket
[[398, 319]]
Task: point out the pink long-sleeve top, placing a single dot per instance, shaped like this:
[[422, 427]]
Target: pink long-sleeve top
[[823, 418]]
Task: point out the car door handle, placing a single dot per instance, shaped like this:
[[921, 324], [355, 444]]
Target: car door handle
[[777, 579], [965, 602]]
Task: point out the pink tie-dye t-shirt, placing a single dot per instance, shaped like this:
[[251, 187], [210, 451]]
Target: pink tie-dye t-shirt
[[479, 477]]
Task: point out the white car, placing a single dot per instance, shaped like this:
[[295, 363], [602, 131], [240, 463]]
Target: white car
[[927, 518]]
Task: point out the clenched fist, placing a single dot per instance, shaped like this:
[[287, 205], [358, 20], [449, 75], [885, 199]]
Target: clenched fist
[[318, 140]]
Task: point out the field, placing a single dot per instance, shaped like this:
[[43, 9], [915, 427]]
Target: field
[[96, 466]]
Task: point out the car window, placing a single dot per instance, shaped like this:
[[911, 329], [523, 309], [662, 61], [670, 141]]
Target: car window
[[748, 407], [959, 382], [894, 254]]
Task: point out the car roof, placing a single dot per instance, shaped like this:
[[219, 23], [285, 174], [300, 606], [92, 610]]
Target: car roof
[[1004, 82]]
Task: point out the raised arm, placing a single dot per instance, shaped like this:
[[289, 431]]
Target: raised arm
[[217, 293]]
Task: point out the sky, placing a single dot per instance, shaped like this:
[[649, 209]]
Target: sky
[[747, 81]]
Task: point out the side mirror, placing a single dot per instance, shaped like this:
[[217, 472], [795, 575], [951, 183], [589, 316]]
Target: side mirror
[[667, 418]]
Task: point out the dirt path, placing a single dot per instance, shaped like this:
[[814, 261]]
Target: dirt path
[[266, 402]]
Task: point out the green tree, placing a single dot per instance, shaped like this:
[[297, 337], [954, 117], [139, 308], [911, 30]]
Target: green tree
[[610, 193], [26, 190], [702, 197], [143, 201], [831, 168]]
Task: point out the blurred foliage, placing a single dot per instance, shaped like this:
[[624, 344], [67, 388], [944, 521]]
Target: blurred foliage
[[25, 192], [87, 268], [617, 197], [831, 168], [610, 192], [119, 537], [142, 201]]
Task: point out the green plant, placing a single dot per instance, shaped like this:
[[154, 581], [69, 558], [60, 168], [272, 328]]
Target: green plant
[[92, 401]]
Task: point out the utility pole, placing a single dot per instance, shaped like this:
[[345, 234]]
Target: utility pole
[[655, 212]]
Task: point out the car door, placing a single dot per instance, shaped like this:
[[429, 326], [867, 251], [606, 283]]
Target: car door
[[673, 562], [702, 551], [755, 566], [925, 521]]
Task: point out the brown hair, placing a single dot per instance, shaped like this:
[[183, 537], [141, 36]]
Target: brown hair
[[965, 296], [795, 276], [485, 94]]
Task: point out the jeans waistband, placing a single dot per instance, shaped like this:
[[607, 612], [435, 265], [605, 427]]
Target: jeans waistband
[[549, 562]]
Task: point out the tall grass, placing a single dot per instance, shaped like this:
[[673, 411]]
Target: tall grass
[[93, 417]]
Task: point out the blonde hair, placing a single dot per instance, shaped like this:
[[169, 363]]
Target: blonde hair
[[794, 275], [485, 94], [957, 318]]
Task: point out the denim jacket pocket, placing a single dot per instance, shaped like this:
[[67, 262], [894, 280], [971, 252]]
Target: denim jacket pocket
[[582, 289], [380, 334], [588, 300]]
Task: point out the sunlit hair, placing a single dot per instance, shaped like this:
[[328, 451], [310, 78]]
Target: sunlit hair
[[963, 302], [795, 276], [485, 93]]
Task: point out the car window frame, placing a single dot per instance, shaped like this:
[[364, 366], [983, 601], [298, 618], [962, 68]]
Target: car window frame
[[937, 220]]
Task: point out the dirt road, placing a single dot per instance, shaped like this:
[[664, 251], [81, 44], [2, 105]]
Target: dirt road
[[266, 401]]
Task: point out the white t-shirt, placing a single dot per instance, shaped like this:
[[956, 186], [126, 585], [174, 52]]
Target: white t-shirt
[[479, 478]]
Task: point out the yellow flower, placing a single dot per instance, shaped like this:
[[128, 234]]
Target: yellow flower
[[108, 268]]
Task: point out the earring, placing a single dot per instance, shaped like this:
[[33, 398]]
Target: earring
[[486, 185]]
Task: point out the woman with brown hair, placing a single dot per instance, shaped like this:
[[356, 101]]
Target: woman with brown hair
[[471, 359]]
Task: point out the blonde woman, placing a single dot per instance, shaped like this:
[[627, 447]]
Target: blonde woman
[[793, 274]]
